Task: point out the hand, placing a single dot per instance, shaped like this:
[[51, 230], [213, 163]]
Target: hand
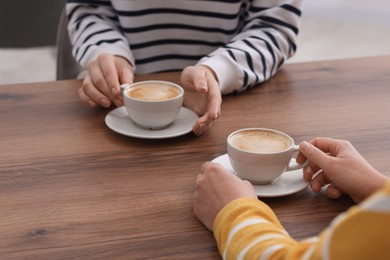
[[215, 188], [341, 166], [202, 95], [101, 85]]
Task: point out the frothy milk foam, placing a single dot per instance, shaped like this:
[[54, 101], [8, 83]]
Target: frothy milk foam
[[260, 141], [153, 92]]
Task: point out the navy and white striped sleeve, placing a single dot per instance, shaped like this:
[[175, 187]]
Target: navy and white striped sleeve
[[266, 41], [94, 29]]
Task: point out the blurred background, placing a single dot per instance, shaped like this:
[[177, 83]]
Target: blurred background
[[330, 29]]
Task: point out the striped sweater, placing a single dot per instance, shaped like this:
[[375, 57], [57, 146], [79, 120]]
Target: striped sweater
[[248, 229], [244, 41]]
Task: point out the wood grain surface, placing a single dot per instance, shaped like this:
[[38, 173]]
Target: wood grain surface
[[72, 188]]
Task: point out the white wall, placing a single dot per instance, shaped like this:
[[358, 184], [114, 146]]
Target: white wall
[[334, 29]]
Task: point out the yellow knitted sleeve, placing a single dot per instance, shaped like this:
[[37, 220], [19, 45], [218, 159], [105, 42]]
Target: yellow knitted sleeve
[[247, 228]]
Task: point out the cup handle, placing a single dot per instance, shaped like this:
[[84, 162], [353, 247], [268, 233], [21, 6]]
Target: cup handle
[[293, 165], [123, 86]]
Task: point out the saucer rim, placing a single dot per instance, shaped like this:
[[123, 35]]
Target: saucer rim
[[303, 184], [146, 133]]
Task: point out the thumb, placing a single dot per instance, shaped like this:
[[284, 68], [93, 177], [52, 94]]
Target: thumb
[[200, 83], [313, 154]]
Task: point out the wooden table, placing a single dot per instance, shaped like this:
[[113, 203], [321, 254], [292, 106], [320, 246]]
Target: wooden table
[[72, 188]]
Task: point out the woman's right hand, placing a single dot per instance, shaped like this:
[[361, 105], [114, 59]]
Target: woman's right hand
[[101, 85], [341, 166]]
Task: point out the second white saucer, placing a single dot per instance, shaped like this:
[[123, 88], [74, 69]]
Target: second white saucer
[[118, 120], [288, 183]]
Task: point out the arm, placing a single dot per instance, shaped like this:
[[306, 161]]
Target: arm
[[248, 228], [266, 40], [101, 49], [92, 25], [244, 226]]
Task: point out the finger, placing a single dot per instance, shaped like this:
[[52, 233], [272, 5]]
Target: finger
[[126, 76], [327, 145], [110, 74], [247, 183], [208, 124], [85, 98], [314, 155], [205, 166], [126, 73], [91, 95], [98, 80], [214, 107], [319, 181], [202, 124], [300, 158], [214, 97], [315, 169], [332, 192], [199, 179], [308, 173], [197, 128], [109, 70], [201, 85]]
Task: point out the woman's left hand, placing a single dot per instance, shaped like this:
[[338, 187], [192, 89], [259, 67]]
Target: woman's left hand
[[202, 95]]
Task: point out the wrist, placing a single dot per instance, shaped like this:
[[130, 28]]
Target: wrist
[[378, 183], [375, 182]]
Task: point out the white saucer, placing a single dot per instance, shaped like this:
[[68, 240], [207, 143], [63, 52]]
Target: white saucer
[[288, 183], [119, 121]]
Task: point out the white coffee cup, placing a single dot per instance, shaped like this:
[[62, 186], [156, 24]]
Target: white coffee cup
[[153, 104], [262, 155]]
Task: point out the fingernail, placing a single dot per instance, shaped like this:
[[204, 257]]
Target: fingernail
[[105, 102], [118, 102], [203, 86]]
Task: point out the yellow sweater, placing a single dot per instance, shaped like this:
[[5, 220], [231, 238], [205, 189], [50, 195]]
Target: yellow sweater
[[248, 229]]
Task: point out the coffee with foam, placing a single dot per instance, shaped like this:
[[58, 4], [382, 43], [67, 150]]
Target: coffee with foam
[[260, 141], [153, 92]]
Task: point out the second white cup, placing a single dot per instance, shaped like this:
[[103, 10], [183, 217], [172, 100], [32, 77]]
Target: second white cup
[[261, 155]]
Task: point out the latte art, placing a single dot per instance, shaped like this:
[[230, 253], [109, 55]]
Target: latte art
[[260, 141], [153, 92]]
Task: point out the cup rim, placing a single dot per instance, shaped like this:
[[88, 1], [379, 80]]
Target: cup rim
[[263, 129], [125, 87]]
